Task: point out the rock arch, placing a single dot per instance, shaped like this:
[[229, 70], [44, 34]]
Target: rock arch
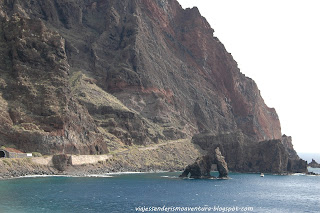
[[202, 167]]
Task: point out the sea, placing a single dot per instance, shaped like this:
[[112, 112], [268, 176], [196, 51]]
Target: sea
[[160, 192]]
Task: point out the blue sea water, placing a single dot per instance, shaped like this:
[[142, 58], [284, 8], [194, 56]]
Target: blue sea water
[[125, 192]]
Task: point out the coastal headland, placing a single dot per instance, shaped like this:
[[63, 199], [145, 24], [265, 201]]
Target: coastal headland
[[98, 86]]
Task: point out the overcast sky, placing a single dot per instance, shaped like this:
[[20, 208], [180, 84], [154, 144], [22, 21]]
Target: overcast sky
[[277, 44]]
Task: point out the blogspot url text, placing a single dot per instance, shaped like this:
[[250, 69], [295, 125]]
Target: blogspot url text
[[193, 209]]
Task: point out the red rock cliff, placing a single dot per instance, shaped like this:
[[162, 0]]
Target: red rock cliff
[[83, 75]]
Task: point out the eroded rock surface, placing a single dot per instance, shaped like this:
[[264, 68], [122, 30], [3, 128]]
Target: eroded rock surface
[[244, 155], [159, 62], [314, 164], [222, 166], [87, 76], [201, 168], [61, 161]]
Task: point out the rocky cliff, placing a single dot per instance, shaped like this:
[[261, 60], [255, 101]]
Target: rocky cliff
[[88, 76], [202, 167], [245, 155], [314, 164]]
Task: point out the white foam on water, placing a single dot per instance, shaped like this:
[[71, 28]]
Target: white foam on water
[[126, 173], [42, 176], [298, 174], [99, 175], [171, 177]]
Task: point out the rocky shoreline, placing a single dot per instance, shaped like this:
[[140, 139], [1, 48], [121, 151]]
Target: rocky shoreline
[[99, 169], [77, 171], [169, 156], [166, 156], [90, 171]]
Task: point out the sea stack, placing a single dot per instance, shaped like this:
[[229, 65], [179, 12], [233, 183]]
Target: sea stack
[[202, 167], [314, 164]]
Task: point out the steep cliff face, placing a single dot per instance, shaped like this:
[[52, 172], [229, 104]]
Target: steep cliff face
[[244, 155], [180, 74], [83, 75], [38, 111]]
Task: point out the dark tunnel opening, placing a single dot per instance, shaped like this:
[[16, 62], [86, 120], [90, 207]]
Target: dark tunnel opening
[[2, 154]]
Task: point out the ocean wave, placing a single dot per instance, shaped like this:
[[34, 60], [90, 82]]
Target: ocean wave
[[299, 174], [171, 177], [42, 176], [126, 173]]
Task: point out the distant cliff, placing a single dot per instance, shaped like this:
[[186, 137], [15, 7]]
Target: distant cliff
[[86, 77], [314, 164]]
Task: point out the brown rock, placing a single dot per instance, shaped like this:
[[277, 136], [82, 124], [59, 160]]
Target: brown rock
[[287, 142], [83, 78], [245, 155], [221, 164], [314, 164], [61, 161], [202, 167], [199, 169]]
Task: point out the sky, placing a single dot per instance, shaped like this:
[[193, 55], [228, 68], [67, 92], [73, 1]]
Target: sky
[[277, 44]]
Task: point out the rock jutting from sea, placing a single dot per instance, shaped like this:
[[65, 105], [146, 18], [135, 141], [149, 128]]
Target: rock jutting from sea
[[202, 167], [314, 164], [244, 155]]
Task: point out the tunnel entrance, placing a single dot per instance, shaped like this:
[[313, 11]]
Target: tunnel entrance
[[2, 154]]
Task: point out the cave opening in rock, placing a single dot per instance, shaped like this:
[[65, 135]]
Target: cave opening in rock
[[2, 154], [214, 167]]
